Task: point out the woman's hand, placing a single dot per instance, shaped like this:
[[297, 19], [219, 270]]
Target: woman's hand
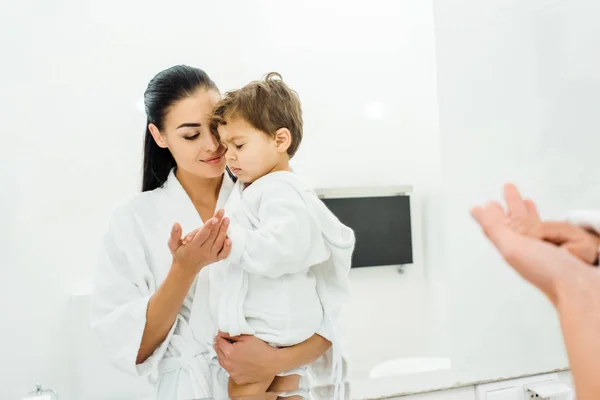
[[248, 359], [523, 216], [209, 244], [524, 219], [579, 242], [542, 264]]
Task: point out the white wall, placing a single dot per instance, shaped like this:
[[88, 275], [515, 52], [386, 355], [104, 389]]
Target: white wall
[[73, 73], [519, 96]]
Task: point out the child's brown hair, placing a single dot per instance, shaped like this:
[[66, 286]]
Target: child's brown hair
[[266, 105]]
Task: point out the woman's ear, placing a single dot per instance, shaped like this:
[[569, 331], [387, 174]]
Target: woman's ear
[[283, 140], [158, 138]]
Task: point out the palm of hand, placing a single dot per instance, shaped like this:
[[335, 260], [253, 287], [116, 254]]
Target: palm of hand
[[523, 218]]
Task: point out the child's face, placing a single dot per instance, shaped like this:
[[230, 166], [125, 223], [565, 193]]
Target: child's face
[[251, 153]]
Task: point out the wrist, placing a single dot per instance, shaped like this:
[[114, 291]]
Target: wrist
[[181, 272], [278, 364]]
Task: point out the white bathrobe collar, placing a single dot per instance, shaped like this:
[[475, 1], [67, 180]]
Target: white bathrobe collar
[[186, 210]]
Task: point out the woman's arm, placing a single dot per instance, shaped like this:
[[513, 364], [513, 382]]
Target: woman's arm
[[578, 306], [301, 354], [208, 246], [162, 311], [249, 359], [572, 287]]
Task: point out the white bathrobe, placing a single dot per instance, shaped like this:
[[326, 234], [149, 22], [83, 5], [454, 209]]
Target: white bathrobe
[[587, 219], [134, 261], [279, 230], [287, 274]]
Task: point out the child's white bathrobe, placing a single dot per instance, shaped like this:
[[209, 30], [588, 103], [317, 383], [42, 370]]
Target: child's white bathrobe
[[287, 275], [587, 219], [134, 261]]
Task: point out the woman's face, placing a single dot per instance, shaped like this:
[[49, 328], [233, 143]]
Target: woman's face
[[186, 133]]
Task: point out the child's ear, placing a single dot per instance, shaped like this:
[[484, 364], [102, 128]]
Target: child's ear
[[158, 138], [283, 140]]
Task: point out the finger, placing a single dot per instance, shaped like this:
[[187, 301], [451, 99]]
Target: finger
[[221, 236], [575, 250], [223, 335], [581, 251], [223, 345], [514, 201], [518, 226], [476, 213], [230, 339], [204, 233], [532, 209], [489, 216], [557, 233], [220, 355], [497, 207], [210, 240], [225, 250], [219, 214], [175, 237], [190, 236]]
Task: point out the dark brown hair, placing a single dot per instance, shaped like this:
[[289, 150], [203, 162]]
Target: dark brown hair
[[164, 90], [266, 105]]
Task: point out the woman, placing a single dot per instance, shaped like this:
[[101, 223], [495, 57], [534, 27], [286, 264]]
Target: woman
[[570, 284], [143, 292]]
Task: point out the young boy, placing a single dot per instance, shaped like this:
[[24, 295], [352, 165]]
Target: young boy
[[287, 274]]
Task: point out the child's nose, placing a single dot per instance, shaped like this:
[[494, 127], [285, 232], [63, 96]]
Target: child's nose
[[229, 154]]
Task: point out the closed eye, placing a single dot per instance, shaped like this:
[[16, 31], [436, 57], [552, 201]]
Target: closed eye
[[191, 137], [238, 146]]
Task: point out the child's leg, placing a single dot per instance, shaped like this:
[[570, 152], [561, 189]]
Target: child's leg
[[257, 388], [287, 383]]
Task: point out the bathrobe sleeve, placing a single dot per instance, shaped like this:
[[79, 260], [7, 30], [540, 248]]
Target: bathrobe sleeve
[[588, 219], [287, 239], [123, 286]]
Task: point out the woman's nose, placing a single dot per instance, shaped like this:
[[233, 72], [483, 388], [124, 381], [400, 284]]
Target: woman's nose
[[209, 143]]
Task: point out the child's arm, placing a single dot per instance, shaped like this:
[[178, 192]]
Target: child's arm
[[284, 239]]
